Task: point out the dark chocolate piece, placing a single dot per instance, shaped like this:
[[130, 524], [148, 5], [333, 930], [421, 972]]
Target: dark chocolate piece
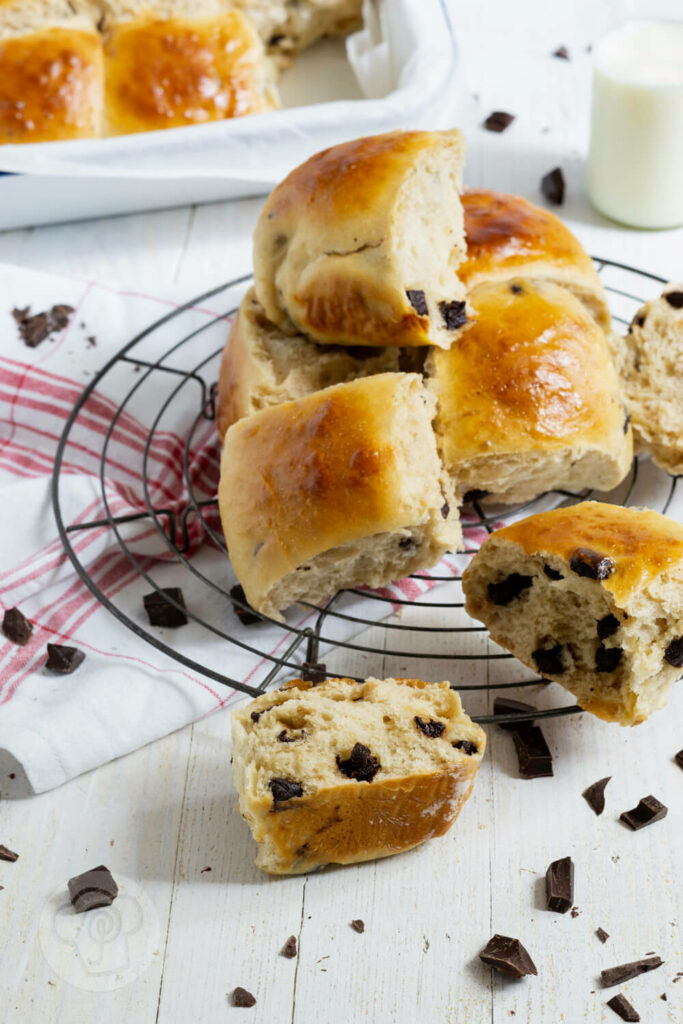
[[552, 574], [516, 289], [638, 321], [417, 300], [240, 997], [623, 1008], [533, 753], [314, 672], [359, 765], [607, 659], [289, 948], [549, 660], [607, 626], [602, 935], [679, 758], [624, 972], [255, 715], [466, 746], [59, 316], [16, 627], [432, 728], [591, 564], [647, 812], [559, 885], [284, 789], [674, 299], [7, 854], [562, 52], [552, 186], [453, 314], [94, 888], [674, 653], [498, 121], [284, 737], [475, 494], [37, 327], [575, 912], [246, 614], [63, 659], [595, 795], [445, 509], [509, 589], [508, 956], [358, 926], [508, 706], [161, 612]]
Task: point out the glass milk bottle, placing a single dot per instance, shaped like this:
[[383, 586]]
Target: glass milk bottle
[[635, 162]]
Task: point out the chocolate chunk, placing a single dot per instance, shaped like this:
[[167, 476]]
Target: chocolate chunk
[[575, 912], [552, 574], [161, 612], [445, 510], [647, 812], [552, 186], [591, 564], [549, 660], [509, 589], [562, 52], [559, 885], [453, 314], [16, 627], [289, 948], [498, 121], [475, 494], [674, 653], [607, 659], [284, 737], [533, 753], [246, 614], [359, 765], [33, 329], [508, 956], [516, 289], [679, 758], [240, 997], [94, 888], [417, 300], [59, 316], [314, 672], [432, 728], [624, 972], [674, 299], [623, 1008], [607, 626], [63, 659], [638, 321], [508, 706], [602, 935], [466, 746], [255, 715], [595, 795], [6, 854], [358, 926], [284, 789]]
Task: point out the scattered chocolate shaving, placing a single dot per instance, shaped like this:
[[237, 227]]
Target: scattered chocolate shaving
[[507, 590], [284, 789], [549, 660], [674, 653], [552, 186], [508, 706], [161, 612], [314, 672], [63, 659], [607, 659], [623, 1008], [246, 615], [453, 314], [358, 926], [602, 935], [533, 753], [508, 956], [647, 812], [674, 299], [607, 626], [37, 327], [591, 564], [552, 574], [679, 758], [466, 746], [624, 972], [359, 765], [240, 997], [559, 885], [595, 795], [417, 300], [498, 121], [562, 52], [7, 854], [289, 948], [432, 728], [92, 889], [475, 494], [16, 627]]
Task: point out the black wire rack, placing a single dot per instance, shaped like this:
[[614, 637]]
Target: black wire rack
[[165, 375]]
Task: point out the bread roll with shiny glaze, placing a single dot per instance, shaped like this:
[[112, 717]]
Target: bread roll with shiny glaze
[[592, 597]]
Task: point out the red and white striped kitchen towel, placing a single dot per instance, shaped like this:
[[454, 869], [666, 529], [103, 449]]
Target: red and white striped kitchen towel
[[127, 692]]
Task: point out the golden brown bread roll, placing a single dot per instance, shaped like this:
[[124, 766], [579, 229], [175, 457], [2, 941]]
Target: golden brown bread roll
[[528, 400], [507, 236], [592, 597], [360, 244], [343, 772]]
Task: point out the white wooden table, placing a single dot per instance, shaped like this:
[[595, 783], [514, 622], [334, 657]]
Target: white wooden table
[[185, 936]]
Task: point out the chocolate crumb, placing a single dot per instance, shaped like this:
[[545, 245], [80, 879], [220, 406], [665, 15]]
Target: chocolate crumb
[[607, 626], [664, 997], [204, 870], [498, 121], [359, 765], [358, 926], [674, 299], [289, 948], [92, 889], [509, 589], [17, 627], [533, 753], [454, 314], [624, 972], [91, 340], [63, 659], [678, 759], [549, 660], [575, 912], [674, 653], [240, 997], [466, 746], [562, 52], [508, 956], [284, 789], [7, 854], [161, 612], [432, 728], [33, 329], [623, 1008], [647, 812], [602, 935], [417, 300], [242, 609], [591, 564], [559, 885], [595, 795], [607, 659], [552, 186]]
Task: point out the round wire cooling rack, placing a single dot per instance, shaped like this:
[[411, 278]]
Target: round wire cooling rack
[[156, 495]]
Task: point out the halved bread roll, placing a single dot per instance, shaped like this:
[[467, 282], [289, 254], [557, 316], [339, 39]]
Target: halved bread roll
[[288, 28], [361, 243], [338, 489], [528, 400], [590, 596], [342, 772]]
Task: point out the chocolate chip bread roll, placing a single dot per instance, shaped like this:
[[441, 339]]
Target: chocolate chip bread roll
[[343, 772], [592, 597], [528, 400], [360, 244], [338, 489], [507, 236]]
